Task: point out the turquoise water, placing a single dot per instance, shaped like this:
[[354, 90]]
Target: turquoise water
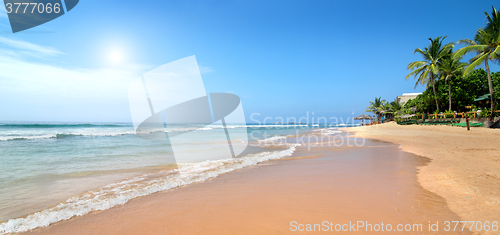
[[60, 170]]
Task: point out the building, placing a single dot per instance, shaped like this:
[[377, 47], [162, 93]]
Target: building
[[402, 99]]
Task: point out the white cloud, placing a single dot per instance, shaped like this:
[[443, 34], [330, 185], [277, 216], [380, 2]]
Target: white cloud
[[43, 79], [32, 89], [28, 47], [204, 69]]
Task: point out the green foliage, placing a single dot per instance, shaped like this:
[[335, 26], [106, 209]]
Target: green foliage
[[464, 91], [449, 113], [486, 46], [436, 112], [412, 103], [449, 69], [376, 106], [486, 43], [445, 78], [395, 107], [485, 112], [427, 70], [387, 108]]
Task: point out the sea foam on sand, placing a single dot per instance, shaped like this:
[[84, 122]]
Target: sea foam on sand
[[119, 193]]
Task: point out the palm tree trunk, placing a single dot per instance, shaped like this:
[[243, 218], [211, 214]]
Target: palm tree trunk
[[490, 84], [434, 88], [449, 94]]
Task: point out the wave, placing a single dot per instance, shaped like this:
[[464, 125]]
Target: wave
[[43, 131], [86, 133], [62, 135], [329, 131], [83, 125], [346, 125], [6, 138], [119, 193], [273, 138], [59, 125]]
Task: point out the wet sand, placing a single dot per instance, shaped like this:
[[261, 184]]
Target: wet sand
[[375, 183], [464, 167]]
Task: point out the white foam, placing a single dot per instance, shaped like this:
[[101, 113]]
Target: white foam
[[205, 129], [26, 137], [330, 132], [121, 192], [273, 139], [37, 136]]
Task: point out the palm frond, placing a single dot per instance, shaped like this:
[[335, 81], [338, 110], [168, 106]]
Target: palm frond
[[416, 72], [495, 54], [416, 64], [475, 64], [465, 50], [467, 42], [423, 79]]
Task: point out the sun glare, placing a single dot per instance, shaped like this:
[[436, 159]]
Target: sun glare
[[115, 57]]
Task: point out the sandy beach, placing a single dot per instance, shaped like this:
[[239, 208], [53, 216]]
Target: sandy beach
[[341, 185], [464, 167], [248, 117]]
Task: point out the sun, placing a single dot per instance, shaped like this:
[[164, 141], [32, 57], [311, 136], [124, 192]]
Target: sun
[[115, 57]]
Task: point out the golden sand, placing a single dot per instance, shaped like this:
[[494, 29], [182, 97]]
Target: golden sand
[[340, 185], [465, 166]]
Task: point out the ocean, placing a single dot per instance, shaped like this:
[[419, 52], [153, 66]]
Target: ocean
[[53, 171]]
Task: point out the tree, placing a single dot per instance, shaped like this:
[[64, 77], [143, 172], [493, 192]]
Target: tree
[[427, 69], [396, 106], [391, 109], [387, 110], [449, 68], [464, 90], [486, 45], [376, 106], [386, 107]]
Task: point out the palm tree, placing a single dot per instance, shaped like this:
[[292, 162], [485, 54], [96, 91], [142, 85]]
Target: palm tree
[[427, 69], [392, 108], [376, 106], [486, 45], [450, 68], [396, 106], [387, 108]]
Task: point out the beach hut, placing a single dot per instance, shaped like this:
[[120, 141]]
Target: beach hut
[[363, 118], [483, 97], [483, 100]]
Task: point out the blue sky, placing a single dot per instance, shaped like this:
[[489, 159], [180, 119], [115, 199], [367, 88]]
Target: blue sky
[[283, 58]]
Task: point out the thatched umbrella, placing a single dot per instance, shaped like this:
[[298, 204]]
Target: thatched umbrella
[[363, 118]]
